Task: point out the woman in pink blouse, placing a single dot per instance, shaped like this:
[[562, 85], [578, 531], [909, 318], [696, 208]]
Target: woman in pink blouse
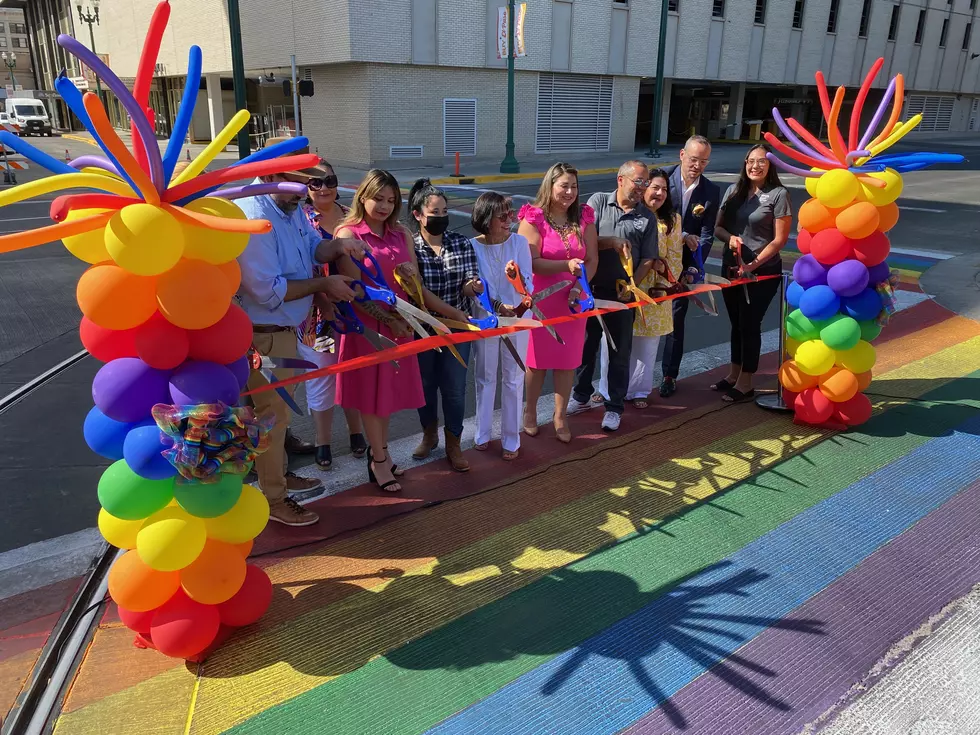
[[563, 240]]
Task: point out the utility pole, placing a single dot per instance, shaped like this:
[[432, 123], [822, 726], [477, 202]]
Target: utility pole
[[296, 123], [90, 19], [510, 165], [238, 73], [658, 92]]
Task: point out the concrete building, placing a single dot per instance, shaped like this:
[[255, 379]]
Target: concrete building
[[421, 79], [15, 45]]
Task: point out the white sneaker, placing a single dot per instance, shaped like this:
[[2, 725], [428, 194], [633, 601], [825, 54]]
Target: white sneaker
[[610, 422], [575, 407]]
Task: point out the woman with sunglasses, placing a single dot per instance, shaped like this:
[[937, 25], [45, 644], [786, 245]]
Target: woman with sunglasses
[[495, 247], [753, 221], [317, 342]]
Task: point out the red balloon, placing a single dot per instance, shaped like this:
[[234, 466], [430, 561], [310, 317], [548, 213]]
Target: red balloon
[[830, 247], [160, 344], [225, 341], [104, 344], [813, 407], [803, 240], [855, 411], [789, 397], [250, 602], [872, 249], [137, 621], [182, 628]]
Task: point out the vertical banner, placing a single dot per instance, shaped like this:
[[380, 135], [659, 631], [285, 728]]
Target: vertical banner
[[502, 45], [519, 31], [503, 18]]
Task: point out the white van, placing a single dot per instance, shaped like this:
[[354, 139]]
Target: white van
[[30, 114]]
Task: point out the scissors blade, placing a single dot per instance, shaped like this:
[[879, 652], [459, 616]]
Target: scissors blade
[[550, 291], [610, 305], [291, 363], [514, 353], [379, 342], [551, 330], [283, 393], [605, 330], [404, 308], [509, 321]]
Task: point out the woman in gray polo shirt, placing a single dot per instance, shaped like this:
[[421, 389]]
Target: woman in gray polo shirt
[[754, 222]]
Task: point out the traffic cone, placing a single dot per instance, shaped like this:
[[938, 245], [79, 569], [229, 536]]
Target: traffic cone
[[67, 157]]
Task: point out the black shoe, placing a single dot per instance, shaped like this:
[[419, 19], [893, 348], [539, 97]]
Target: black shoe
[[667, 387], [295, 445], [323, 457], [358, 445]]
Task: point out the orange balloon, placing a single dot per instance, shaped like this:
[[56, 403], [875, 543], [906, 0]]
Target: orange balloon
[[814, 216], [858, 220], [245, 548], [193, 294], [136, 587], [233, 273], [794, 379], [115, 299], [216, 575], [864, 380], [839, 385], [887, 216]]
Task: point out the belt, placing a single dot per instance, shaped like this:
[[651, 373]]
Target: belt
[[270, 328]]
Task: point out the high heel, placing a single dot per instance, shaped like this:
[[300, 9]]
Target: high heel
[[394, 468], [564, 435], [531, 429], [372, 477]]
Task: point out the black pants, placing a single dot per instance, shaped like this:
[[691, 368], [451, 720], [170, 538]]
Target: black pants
[[620, 325], [674, 342], [746, 319]]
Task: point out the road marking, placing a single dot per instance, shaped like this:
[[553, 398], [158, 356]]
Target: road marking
[[922, 209], [23, 219]]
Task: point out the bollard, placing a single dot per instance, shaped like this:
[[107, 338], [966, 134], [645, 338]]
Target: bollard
[[67, 157], [774, 401], [457, 165], [188, 156]]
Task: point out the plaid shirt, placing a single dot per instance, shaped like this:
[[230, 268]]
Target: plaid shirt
[[445, 274]]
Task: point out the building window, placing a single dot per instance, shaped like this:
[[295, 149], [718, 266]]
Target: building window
[[798, 14], [760, 11], [893, 23], [2, 28], [718, 9], [832, 18], [589, 129], [865, 19], [3, 42], [672, 6], [920, 26], [966, 36], [18, 28], [19, 42], [942, 33]]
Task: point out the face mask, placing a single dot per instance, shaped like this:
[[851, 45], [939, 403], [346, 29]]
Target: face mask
[[436, 225]]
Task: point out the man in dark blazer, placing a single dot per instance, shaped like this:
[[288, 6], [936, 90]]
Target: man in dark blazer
[[696, 199]]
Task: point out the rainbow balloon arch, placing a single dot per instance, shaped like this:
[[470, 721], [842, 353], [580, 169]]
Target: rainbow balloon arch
[[158, 311], [842, 290]]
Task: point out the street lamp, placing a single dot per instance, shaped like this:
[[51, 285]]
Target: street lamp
[[10, 61], [90, 18], [510, 165], [658, 92]]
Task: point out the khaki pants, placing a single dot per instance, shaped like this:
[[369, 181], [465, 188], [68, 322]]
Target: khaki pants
[[270, 466]]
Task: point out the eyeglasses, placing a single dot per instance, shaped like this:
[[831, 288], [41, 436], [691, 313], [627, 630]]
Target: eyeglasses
[[327, 182], [506, 215], [640, 183], [757, 163], [697, 161]]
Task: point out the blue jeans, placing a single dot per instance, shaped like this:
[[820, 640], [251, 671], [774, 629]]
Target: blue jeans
[[442, 373]]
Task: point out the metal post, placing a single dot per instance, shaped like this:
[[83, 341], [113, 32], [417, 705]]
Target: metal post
[[98, 84], [658, 91], [510, 165], [238, 72], [299, 130], [9, 177], [774, 401]]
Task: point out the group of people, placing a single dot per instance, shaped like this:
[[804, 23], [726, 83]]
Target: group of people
[[652, 234]]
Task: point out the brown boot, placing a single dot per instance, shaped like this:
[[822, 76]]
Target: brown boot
[[290, 513], [454, 454], [430, 440]]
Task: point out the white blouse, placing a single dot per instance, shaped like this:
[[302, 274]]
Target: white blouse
[[494, 258]]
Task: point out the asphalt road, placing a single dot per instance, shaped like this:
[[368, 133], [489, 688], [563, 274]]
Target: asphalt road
[[48, 475]]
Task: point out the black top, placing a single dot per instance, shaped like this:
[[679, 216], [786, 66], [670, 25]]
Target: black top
[[755, 223]]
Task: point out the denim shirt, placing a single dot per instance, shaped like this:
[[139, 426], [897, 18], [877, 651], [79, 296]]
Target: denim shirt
[[286, 253]]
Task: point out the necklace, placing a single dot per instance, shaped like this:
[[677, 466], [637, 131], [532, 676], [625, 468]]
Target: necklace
[[564, 232], [496, 254]]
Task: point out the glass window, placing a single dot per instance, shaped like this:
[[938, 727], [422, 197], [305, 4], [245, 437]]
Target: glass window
[[943, 32], [760, 11], [19, 42], [2, 28], [798, 14], [672, 6], [893, 23], [865, 19], [966, 36], [920, 26], [718, 8], [3, 42], [832, 18]]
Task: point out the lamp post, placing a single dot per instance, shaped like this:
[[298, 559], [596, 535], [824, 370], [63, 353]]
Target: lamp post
[[510, 165], [658, 90], [238, 72], [91, 18], [10, 61]]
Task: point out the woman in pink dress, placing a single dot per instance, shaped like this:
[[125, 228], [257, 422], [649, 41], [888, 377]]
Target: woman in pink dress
[[562, 236], [380, 390]]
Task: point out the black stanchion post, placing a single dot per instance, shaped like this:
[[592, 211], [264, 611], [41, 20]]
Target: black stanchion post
[[774, 401]]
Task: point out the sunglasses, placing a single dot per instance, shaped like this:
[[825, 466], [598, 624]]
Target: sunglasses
[[327, 182]]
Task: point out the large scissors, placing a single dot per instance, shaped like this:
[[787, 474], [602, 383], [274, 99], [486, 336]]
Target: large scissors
[[668, 284], [492, 321], [345, 321], [516, 278], [588, 302], [265, 364], [741, 274]]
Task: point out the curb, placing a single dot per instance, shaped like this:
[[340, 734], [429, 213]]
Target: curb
[[497, 178], [80, 139]]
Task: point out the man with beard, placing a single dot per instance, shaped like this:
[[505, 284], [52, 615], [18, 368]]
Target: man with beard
[[277, 293]]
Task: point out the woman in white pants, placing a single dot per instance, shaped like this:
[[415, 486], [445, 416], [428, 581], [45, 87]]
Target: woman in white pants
[[495, 247], [657, 319]]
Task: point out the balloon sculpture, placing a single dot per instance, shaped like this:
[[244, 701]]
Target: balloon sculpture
[[158, 311], [841, 293]]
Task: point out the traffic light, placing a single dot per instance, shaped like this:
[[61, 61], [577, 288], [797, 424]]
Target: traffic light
[[305, 88]]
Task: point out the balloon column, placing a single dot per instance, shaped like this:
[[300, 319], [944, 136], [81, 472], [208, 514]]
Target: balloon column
[[841, 293], [158, 311]]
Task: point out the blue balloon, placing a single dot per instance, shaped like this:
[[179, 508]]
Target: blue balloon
[[819, 303], [863, 307], [793, 293], [142, 451], [103, 435], [184, 113]]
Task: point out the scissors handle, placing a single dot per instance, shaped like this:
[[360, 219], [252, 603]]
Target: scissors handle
[[374, 272], [586, 303], [489, 321], [364, 293], [346, 321]]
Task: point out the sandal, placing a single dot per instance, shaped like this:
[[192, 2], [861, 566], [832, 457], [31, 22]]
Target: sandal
[[597, 398], [737, 396], [482, 447], [323, 457], [510, 456], [358, 445], [722, 385], [394, 468], [372, 463], [641, 403]]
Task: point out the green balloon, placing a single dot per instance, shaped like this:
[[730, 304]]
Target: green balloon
[[870, 330], [841, 333], [800, 327], [209, 499], [126, 495]]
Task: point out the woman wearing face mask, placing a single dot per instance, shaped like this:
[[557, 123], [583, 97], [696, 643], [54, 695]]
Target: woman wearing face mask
[[450, 274], [318, 343], [753, 221]]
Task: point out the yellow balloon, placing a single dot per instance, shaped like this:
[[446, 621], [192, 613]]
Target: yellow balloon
[[859, 359], [811, 183], [119, 533], [170, 539], [792, 345], [837, 188], [144, 239], [814, 357], [891, 192], [89, 246], [244, 521], [214, 246]]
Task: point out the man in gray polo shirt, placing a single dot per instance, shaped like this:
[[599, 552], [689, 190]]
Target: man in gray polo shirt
[[625, 225]]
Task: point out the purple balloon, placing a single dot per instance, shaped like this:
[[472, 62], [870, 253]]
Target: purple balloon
[[879, 273], [127, 389], [848, 278], [808, 272], [241, 369], [197, 381]]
